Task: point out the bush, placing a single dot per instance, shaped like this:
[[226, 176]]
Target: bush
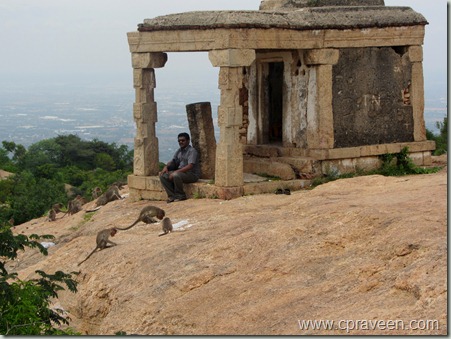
[[25, 305], [441, 140]]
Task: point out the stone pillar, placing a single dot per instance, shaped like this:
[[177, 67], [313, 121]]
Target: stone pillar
[[146, 156], [320, 119], [203, 136], [417, 93], [229, 151]]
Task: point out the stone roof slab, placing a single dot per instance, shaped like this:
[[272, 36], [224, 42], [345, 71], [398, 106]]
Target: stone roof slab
[[308, 18]]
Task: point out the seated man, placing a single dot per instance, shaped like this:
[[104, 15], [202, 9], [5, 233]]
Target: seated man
[[183, 168]]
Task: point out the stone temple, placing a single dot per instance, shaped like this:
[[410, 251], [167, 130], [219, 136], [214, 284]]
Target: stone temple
[[306, 87]]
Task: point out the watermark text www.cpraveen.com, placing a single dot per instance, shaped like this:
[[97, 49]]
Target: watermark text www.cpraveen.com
[[368, 325]]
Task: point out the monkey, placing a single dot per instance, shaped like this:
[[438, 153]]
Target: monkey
[[119, 184], [96, 192], [167, 226], [69, 207], [81, 200], [57, 207], [111, 194], [52, 215], [75, 205], [146, 215], [102, 241]]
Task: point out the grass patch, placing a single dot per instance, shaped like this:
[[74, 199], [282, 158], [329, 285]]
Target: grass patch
[[198, 195], [87, 217]]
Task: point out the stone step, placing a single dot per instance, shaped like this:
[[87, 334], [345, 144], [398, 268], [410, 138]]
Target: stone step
[[271, 151], [285, 168], [149, 188]]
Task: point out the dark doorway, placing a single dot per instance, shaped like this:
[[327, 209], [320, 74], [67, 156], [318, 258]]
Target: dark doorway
[[275, 101]]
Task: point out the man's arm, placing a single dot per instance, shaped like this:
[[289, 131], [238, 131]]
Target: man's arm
[[185, 168], [168, 167]]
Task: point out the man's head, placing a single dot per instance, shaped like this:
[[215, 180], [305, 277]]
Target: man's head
[[183, 139]]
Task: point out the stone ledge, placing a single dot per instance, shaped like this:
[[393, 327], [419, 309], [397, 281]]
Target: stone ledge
[[204, 189], [371, 150], [347, 165], [270, 151]]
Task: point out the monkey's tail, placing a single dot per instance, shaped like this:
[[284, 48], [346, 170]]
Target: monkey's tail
[[127, 228], [81, 262], [161, 234], [93, 210]]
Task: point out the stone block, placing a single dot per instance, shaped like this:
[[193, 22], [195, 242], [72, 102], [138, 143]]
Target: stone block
[[417, 158], [145, 158], [427, 159], [229, 162], [420, 146], [271, 168], [228, 193], [230, 78], [301, 164], [149, 60], [153, 184], [229, 172], [137, 78], [147, 112], [231, 57], [327, 56], [229, 150], [416, 53], [339, 166], [136, 182], [153, 195], [394, 148], [343, 153], [417, 95], [134, 195], [318, 154], [230, 116], [367, 163], [262, 152], [373, 150]]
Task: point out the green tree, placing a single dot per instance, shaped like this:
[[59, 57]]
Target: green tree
[[19, 152], [74, 152], [9, 146], [125, 160], [7, 162], [44, 169], [105, 162], [32, 197], [441, 140], [103, 179], [73, 175], [44, 152], [4, 159], [25, 305]]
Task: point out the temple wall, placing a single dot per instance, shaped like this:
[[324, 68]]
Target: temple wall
[[371, 97]]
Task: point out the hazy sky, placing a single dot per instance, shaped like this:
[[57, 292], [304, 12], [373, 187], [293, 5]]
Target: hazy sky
[[87, 38]]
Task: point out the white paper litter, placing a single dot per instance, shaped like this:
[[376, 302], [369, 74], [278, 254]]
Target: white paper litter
[[47, 244], [182, 224]]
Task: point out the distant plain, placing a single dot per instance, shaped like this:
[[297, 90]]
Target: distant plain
[[32, 111]]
